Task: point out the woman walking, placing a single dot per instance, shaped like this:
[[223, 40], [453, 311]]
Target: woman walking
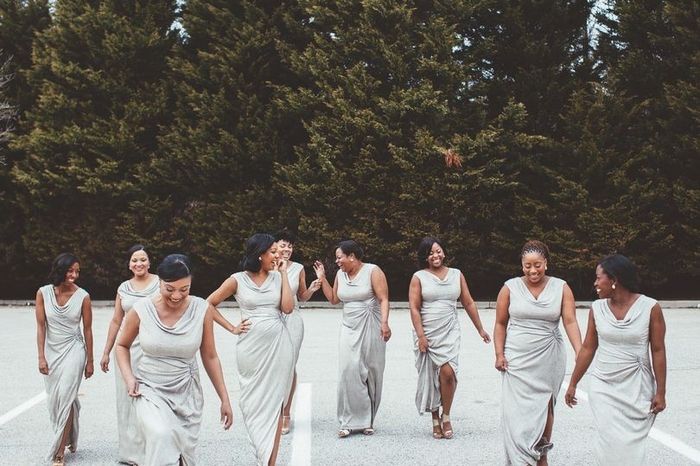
[[65, 355], [530, 354], [166, 389], [363, 290], [142, 284], [432, 296], [624, 393], [295, 324], [264, 352]]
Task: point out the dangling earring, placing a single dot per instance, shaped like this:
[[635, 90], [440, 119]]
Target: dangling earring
[[613, 286]]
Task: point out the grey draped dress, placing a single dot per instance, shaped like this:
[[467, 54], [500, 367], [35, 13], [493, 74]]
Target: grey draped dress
[[534, 349], [361, 351], [66, 356], [622, 385], [169, 410], [441, 327], [265, 356], [130, 443], [295, 323]]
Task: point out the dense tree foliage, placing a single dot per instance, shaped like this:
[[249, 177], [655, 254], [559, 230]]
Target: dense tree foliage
[[484, 123]]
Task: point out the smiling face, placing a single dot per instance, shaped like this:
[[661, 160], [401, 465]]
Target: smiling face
[[436, 256], [72, 274], [139, 263], [344, 261], [534, 266], [603, 283], [285, 249], [175, 292], [269, 258]]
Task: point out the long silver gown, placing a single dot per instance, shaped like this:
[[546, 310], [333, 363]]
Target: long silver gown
[[169, 410], [361, 351], [295, 323], [130, 443], [66, 356], [534, 349], [441, 328], [265, 356], [622, 385]]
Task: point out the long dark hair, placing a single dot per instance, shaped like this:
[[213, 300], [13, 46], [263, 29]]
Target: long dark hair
[[255, 246], [60, 266], [622, 270]]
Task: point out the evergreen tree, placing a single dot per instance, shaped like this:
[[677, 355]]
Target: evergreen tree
[[230, 129], [100, 69]]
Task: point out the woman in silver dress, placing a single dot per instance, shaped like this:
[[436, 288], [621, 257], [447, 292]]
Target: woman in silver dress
[[264, 352], [65, 354], [142, 284], [363, 290], [530, 354], [624, 393], [166, 390], [432, 296], [295, 324]]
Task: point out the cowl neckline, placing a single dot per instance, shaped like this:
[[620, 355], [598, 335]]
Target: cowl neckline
[[634, 311], [183, 324], [265, 286]]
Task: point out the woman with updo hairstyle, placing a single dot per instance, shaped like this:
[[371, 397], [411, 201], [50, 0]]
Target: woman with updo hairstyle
[[264, 352], [165, 388], [295, 324], [142, 284], [624, 393], [432, 297], [65, 354], [363, 290], [530, 354]]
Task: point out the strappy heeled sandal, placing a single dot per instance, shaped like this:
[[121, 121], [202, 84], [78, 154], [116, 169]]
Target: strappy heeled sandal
[[447, 427], [437, 429], [58, 461], [342, 433], [368, 431], [286, 422]]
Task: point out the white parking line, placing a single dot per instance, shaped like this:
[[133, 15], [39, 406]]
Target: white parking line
[[13, 413], [660, 436], [301, 433]]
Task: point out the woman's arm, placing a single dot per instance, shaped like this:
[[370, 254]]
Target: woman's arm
[[87, 334], [211, 363], [469, 305], [415, 301], [126, 337], [568, 314], [304, 293], [583, 361], [657, 336], [41, 333], [227, 288], [381, 292], [114, 325], [330, 292], [287, 299], [499, 329]]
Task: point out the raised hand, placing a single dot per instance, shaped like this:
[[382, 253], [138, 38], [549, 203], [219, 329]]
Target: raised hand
[[320, 270]]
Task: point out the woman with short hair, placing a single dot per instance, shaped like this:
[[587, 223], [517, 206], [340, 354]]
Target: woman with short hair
[[627, 388], [65, 354]]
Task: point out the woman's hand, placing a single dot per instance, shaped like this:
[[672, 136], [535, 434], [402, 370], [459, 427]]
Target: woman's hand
[[501, 363], [570, 396], [104, 362], [243, 327], [320, 270], [43, 366], [658, 403], [423, 344], [485, 336], [226, 415], [281, 265], [315, 285], [386, 331], [132, 387], [89, 369]]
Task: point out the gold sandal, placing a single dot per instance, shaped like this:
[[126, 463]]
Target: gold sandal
[[58, 461], [286, 422], [437, 429], [446, 431]]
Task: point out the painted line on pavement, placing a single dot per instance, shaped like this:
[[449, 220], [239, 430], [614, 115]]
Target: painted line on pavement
[[13, 413], [301, 433], [660, 436]]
